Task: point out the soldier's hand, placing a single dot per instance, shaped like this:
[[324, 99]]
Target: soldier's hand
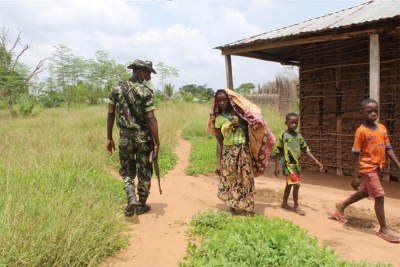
[[110, 146]]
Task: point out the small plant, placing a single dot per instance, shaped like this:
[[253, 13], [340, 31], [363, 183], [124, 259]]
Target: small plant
[[25, 106], [259, 241], [203, 222]]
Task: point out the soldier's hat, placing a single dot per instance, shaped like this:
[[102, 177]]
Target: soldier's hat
[[140, 64]]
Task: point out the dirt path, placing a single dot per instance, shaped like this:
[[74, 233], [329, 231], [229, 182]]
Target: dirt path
[[158, 238]]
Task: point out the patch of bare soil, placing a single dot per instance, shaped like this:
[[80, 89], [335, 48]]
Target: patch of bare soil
[[158, 238]]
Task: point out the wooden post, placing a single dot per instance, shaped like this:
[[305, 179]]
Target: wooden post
[[228, 65], [374, 68], [339, 128], [392, 101]]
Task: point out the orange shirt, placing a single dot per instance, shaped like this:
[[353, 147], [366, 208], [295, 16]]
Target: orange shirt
[[371, 144]]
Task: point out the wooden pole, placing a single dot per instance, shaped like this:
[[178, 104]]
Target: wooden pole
[[339, 128], [392, 101], [228, 65], [374, 68]]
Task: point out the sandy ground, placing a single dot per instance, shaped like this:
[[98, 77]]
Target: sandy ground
[[158, 237]]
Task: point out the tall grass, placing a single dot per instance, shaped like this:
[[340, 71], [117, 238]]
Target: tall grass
[[60, 206]]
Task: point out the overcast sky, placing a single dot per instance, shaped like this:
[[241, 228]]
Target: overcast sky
[[181, 34]]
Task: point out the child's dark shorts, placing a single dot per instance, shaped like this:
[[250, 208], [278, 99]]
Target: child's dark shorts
[[372, 185]]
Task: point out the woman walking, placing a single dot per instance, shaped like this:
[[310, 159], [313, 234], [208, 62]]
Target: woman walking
[[244, 144]]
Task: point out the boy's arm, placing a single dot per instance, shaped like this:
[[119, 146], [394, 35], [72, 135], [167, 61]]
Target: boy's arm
[[355, 183], [311, 156], [277, 159], [393, 157]]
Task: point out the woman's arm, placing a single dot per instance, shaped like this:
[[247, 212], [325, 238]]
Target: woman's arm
[[220, 140]]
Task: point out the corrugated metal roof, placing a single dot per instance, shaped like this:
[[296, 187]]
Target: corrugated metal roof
[[366, 12]]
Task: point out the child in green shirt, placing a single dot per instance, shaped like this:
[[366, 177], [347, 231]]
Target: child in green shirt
[[290, 144]]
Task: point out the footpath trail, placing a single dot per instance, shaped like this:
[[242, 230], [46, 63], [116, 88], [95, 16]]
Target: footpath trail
[[158, 237]]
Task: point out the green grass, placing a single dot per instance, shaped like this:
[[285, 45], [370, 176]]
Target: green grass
[[203, 154], [259, 241], [59, 205]]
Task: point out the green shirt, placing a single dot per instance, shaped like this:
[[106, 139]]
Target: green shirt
[[142, 103], [236, 137], [290, 147]]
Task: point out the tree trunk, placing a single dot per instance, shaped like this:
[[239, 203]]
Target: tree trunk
[[10, 108]]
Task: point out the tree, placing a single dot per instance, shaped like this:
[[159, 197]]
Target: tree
[[245, 89], [15, 77], [83, 80], [67, 70], [169, 90], [166, 74], [101, 72], [200, 92], [186, 96]]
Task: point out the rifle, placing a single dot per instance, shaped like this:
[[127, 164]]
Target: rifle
[[124, 85], [156, 169]]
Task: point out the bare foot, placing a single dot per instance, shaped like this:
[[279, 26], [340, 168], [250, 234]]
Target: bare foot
[[299, 211], [339, 213], [286, 206], [339, 208]]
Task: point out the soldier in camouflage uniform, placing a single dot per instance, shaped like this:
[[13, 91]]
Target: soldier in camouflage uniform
[[138, 134]]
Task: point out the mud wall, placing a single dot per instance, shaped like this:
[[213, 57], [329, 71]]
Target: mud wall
[[334, 79]]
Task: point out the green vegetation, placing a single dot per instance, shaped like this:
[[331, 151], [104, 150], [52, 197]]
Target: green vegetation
[[60, 206], [202, 156], [191, 92], [259, 241], [245, 89]]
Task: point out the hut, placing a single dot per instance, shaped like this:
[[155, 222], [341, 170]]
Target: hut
[[343, 58]]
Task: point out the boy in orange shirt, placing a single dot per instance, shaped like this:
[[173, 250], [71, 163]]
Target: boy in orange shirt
[[370, 145]]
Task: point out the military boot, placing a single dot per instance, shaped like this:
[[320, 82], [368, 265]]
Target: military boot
[[142, 207], [132, 202]]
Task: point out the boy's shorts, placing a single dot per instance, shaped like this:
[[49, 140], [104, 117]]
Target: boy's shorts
[[293, 179], [372, 185]]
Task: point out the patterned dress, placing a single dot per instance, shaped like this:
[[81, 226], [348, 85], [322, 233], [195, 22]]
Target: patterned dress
[[236, 184], [241, 161]]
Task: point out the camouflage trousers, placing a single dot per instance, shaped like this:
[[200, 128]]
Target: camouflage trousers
[[134, 159]]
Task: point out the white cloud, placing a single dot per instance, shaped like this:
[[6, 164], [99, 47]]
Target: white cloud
[[178, 33]]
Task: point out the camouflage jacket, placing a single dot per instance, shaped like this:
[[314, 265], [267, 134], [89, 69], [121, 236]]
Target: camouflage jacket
[[144, 102]]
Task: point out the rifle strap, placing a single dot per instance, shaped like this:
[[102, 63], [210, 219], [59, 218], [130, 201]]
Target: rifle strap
[[124, 87]]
